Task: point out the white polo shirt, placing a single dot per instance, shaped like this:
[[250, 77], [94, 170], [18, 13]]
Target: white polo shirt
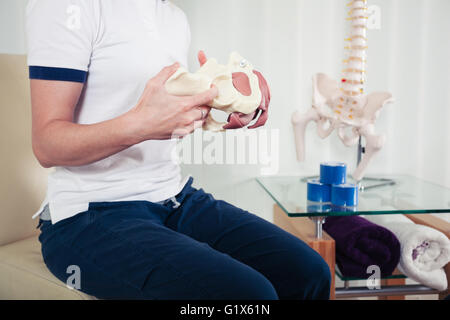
[[114, 47]]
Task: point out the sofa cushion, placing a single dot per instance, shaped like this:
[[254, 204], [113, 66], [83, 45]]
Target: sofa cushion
[[24, 275]]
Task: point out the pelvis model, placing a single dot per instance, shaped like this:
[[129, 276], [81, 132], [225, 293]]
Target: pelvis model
[[344, 106], [243, 92]]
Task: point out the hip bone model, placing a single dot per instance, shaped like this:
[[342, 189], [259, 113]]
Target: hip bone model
[[243, 92], [345, 107]]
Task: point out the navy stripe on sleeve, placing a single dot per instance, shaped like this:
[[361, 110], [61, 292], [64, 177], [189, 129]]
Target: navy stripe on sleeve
[[59, 74]]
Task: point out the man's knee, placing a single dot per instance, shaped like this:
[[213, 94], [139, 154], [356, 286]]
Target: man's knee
[[323, 276], [318, 286], [260, 288], [248, 285], [313, 279]]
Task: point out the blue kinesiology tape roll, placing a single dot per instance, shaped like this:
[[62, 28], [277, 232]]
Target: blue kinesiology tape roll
[[344, 195], [333, 173], [318, 192]]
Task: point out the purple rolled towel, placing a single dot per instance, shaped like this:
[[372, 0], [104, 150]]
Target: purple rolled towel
[[360, 244]]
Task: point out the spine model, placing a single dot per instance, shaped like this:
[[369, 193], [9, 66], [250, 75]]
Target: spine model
[[344, 106], [354, 65]]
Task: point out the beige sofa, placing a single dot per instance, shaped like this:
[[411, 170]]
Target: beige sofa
[[23, 274]]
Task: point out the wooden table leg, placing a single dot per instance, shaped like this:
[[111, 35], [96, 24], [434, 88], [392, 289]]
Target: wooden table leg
[[393, 282], [304, 229]]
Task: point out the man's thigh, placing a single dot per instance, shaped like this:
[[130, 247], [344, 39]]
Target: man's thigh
[[123, 254], [284, 259], [228, 228]]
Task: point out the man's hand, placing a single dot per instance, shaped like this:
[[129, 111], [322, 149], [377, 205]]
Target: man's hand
[[161, 116]]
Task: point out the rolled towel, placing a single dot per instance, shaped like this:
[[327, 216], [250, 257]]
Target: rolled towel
[[424, 250], [360, 244]]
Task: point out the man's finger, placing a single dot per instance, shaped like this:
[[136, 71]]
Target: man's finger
[[194, 126], [199, 113], [206, 111], [202, 58], [198, 124], [181, 132], [166, 73], [203, 98]]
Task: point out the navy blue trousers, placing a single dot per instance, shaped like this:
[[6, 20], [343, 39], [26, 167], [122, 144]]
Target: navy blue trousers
[[204, 249]]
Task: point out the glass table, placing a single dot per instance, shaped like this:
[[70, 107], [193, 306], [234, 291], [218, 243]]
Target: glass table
[[399, 194], [402, 195]]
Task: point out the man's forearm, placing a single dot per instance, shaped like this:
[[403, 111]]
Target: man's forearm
[[64, 143]]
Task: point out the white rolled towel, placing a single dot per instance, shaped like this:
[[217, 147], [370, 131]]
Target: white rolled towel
[[424, 250]]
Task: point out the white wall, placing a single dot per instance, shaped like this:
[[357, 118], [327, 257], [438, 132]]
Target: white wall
[[12, 39], [290, 40]]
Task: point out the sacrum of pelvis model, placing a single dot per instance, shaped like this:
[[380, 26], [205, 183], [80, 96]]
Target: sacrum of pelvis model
[[344, 106]]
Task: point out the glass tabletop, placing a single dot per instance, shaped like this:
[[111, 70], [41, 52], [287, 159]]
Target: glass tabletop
[[346, 278], [399, 194]]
